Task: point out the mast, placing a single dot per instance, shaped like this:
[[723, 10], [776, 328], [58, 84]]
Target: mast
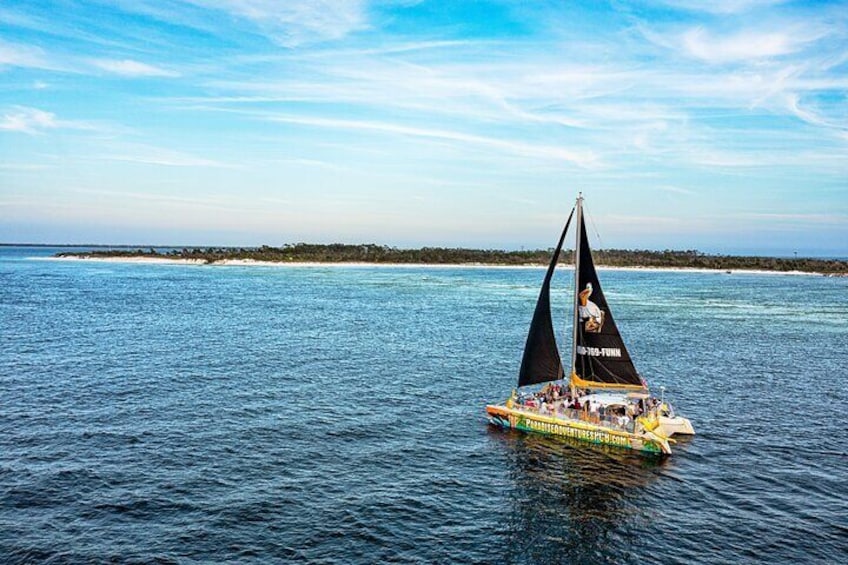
[[600, 358], [579, 207]]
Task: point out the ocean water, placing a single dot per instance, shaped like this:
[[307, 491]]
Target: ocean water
[[181, 414]]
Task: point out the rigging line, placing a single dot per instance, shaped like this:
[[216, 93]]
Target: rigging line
[[595, 229], [618, 379], [565, 251]]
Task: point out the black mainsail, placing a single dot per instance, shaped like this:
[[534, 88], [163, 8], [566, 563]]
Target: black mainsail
[[600, 357], [541, 362]]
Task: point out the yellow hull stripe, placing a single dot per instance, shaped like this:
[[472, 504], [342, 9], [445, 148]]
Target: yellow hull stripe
[[576, 429]]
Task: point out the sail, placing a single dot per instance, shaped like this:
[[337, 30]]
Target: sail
[[541, 362], [601, 359]]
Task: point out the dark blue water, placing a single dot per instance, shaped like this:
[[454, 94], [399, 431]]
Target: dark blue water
[[335, 415]]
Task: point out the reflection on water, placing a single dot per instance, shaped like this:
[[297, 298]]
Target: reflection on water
[[570, 498]]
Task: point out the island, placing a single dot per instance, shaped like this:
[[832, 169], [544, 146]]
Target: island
[[382, 254]]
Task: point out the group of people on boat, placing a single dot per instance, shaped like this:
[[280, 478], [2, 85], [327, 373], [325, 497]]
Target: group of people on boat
[[559, 401]]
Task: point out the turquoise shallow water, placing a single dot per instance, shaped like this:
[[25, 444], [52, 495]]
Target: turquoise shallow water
[[335, 415]]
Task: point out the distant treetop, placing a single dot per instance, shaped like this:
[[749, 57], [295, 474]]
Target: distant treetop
[[382, 254]]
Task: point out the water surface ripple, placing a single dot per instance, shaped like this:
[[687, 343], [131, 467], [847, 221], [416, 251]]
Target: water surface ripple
[[179, 414]]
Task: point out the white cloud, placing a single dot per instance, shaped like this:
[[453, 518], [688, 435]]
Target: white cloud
[[527, 93], [26, 56], [223, 203], [20, 55], [676, 190], [295, 22], [723, 6], [28, 120], [742, 46], [808, 115], [150, 155], [130, 68], [582, 158], [766, 158], [603, 114], [751, 41], [24, 119]]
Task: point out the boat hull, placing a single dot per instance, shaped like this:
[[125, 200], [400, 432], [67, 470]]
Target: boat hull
[[677, 425], [647, 442]]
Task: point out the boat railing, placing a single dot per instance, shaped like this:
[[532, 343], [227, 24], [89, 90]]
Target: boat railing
[[574, 414]]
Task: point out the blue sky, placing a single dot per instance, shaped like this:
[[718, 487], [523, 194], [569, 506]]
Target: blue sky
[[720, 125]]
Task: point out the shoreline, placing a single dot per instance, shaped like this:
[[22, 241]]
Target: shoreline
[[254, 263]]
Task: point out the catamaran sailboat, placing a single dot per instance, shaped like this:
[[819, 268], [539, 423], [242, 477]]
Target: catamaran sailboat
[[604, 400]]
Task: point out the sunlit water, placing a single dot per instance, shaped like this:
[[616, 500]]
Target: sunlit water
[[335, 415]]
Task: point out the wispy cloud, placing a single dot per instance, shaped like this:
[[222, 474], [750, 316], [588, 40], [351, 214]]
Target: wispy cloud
[[810, 116], [813, 218], [130, 68], [577, 157], [296, 22], [313, 163], [219, 202], [717, 159], [23, 167], [23, 119], [610, 110], [745, 45], [149, 155], [28, 120], [723, 6], [26, 56], [675, 189]]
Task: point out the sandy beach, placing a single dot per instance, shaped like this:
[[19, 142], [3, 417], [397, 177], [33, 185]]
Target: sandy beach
[[252, 263]]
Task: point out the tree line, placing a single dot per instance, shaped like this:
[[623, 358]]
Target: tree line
[[382, 254]]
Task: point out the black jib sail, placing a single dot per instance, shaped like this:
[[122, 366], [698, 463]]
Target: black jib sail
[[541, 362], [601, 359]]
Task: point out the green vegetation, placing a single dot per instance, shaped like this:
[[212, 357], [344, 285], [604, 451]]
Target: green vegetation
[[370, 253]]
